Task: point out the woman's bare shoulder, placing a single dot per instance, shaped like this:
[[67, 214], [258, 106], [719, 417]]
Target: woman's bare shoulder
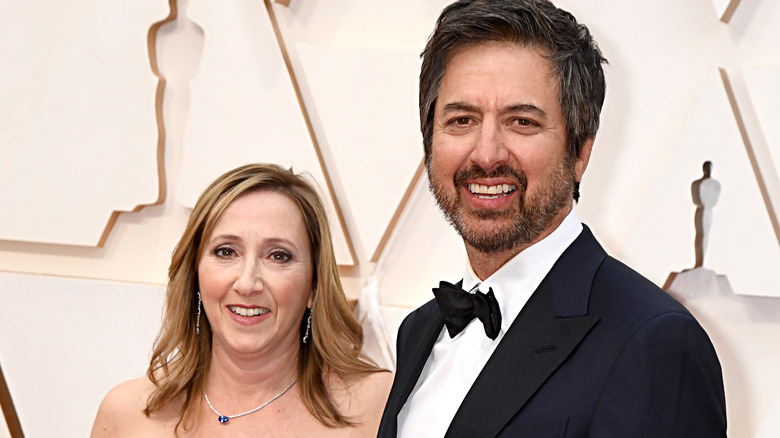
[[362, 397], [373, 386], [121, 410]]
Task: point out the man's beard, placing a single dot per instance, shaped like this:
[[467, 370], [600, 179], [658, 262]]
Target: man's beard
[[523, 222]]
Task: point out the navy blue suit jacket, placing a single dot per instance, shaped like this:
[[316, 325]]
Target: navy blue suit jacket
[[598, 351]]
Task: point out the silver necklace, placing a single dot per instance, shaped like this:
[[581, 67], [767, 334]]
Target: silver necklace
[[225, 418]]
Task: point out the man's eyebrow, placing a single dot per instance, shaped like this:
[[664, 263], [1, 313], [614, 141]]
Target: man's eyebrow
[[458, 106], [516, 108], [526, 108]]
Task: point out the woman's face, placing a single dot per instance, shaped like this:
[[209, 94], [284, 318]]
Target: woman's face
[[255, 275]]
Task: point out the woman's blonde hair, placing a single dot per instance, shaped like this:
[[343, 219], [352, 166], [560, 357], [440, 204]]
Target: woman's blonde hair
[[181, 358]]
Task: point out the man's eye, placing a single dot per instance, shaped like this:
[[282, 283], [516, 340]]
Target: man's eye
[[224, 252], [462, 121], [281, 256], [525, 122]]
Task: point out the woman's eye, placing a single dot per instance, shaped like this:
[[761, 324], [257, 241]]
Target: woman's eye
[[281, 256], [224, 252]]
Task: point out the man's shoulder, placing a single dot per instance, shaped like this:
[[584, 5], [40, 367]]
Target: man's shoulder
[[426, 308], [607, 287], [618, 287], [420, 315]]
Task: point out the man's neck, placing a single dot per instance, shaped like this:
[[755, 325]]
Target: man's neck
[[484, 264]]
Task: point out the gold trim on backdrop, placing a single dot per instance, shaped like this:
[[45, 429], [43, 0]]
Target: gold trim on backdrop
[[9, 412], [729, 12]]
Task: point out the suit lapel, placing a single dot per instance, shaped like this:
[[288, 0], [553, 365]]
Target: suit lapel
[[535, 346], [420, 339], [416, 342], [544, 334]]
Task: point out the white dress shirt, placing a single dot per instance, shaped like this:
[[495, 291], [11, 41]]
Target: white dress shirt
[[455, 363]]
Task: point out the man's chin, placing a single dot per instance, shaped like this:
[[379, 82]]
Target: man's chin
[[492, 245], [489, 236], [490, 221]]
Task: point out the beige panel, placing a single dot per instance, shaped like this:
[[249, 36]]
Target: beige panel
[[399, 24], [658, 66], [423, 250], [754, 33], [66, 342], [662, 238], [763, 86], [4, 433], [244, 108], [770, 427], [366, 102], [659, 63], [84, 143], [51, 27]]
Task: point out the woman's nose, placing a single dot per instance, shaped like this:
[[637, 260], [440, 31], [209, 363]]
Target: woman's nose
[[249, 280]]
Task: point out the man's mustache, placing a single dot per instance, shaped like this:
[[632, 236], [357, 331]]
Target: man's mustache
[[503, 170]]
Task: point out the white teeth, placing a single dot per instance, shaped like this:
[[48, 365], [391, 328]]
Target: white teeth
[[243, 311], [485, 192]]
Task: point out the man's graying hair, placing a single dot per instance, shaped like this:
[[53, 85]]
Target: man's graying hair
[[575, 57]]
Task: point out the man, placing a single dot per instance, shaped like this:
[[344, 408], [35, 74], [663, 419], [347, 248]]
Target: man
[[579, 344]]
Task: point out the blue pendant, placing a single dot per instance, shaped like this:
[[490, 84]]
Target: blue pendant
[[223, 419]]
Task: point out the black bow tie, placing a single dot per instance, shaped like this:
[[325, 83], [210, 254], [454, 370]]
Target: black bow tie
[[459, 308]]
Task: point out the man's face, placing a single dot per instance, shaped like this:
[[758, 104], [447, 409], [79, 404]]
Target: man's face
[[498, 168]]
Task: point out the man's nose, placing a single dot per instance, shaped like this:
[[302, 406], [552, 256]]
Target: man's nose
[[490, 150], [249, 280]]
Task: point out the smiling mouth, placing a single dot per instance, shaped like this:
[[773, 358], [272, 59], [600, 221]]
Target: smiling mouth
[[491, 192], [243, 311]]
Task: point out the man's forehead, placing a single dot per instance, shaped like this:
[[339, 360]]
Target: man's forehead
[[509, 79], [528, 45], [522, 51]]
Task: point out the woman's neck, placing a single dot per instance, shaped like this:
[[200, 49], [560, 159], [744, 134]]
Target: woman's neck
[[246, 376]]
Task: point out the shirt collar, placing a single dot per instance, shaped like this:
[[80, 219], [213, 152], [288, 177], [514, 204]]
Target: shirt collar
[[514, 282]]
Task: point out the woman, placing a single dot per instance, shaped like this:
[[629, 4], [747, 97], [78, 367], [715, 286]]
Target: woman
[[257, 338]]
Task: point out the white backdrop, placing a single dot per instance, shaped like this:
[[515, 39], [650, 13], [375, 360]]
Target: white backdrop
[[332, 91]]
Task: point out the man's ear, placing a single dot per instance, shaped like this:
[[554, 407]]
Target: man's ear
[[581, 163]]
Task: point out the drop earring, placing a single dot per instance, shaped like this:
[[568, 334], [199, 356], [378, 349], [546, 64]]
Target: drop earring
[[305, 338], [197, 318]]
